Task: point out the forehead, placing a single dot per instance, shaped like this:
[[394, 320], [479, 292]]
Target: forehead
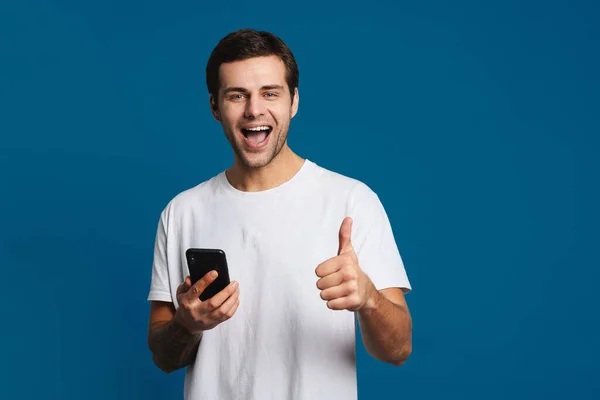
[[253, 73]]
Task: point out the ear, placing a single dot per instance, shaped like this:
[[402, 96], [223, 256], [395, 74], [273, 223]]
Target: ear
[[214, 107], [296, 99]]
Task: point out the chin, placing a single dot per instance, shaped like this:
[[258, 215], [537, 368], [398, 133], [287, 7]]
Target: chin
[[257, 159], [256, 162]]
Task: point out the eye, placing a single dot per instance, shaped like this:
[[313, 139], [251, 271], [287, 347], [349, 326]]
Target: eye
[[271, 94], [237, 96]]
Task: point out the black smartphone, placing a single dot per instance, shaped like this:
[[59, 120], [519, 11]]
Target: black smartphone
[[202, 261]]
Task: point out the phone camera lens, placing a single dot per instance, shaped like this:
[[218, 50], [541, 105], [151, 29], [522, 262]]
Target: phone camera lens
[[192, 260]]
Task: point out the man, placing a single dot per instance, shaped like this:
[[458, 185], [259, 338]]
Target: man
[[308, 251]]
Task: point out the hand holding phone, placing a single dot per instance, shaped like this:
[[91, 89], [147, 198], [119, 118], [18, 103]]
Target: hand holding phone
[[196, 315]]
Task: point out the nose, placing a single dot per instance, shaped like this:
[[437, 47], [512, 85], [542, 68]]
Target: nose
[[255, 107]]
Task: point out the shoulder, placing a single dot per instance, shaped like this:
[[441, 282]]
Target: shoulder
[[354, 190], [189, 199]]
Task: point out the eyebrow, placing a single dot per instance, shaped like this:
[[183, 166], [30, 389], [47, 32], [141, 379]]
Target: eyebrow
[[242, 90]]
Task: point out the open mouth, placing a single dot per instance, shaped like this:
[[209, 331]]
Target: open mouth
[[257, 136]]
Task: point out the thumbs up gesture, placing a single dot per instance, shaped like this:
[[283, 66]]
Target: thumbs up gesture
[[342, 283]]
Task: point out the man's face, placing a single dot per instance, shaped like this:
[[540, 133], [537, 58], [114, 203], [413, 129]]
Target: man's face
[[255, 108]]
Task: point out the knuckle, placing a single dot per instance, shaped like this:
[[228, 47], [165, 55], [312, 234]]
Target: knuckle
[[185, 305], [348, 274], [212, 303]]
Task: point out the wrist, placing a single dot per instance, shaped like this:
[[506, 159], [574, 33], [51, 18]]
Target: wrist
[[178, 325], [373, 300]]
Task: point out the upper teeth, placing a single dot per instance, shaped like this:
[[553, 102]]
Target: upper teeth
[[258, 128]]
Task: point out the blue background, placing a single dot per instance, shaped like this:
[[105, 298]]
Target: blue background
[[476, 124]]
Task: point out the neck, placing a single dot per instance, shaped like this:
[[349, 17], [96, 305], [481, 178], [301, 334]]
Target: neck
[[280, 170]]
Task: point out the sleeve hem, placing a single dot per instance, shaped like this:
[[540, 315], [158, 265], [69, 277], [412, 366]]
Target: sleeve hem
[[382, 283], [157, 295], [405, 288]]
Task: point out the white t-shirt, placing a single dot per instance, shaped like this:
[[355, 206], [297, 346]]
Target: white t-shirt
[[283, 342]]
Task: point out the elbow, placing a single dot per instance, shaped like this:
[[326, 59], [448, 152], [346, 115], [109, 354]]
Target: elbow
[[402, 356], [164, 367], [397, 362], [157, 360]]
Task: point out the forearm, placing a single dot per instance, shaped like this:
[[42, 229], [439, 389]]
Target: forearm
[[173, 346], [386, 330]]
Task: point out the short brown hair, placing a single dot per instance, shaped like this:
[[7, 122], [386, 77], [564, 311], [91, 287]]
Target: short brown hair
[[249, 43]]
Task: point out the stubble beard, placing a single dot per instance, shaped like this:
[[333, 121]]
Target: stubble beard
[[265, 159]]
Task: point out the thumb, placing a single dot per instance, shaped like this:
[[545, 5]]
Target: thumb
[[345, 235]]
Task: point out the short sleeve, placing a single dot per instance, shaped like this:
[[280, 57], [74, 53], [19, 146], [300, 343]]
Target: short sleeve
[[159, 284], [374, 242]]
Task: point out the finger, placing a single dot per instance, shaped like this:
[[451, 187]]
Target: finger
[[218, 299], [345, 236], [337, 292], [329, 267], [223, 312], [233, 309], [331, 280], [349, 302], [198, 288], [184, 286]]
